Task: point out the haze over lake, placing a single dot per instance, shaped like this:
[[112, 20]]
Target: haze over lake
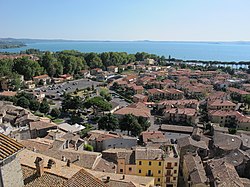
[[215, 51]]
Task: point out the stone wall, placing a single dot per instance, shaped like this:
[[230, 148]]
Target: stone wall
[[11, 173]]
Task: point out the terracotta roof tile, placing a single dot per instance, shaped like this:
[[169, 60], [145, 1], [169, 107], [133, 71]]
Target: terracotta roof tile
[[8, 146]]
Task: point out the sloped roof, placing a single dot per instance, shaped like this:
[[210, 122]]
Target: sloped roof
[[84, 179], [195, 169], [8, 146]]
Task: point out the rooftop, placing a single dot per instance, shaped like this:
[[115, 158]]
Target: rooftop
[[195, 169], [8, 147]]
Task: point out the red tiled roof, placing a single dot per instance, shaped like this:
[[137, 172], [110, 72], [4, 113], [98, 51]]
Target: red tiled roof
[[8, 146], [147, 135], [185, 111], [41, 76], [236, 90], [8, 94], [219, 102]]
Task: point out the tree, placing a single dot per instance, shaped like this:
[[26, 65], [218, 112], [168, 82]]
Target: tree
[[27, 68], [23, 102], [71, 102], [145, 124], [105, 94], [108, 122], [136, 129], [34, 105], [15, 82], [88, 147], [99, 103], [232, 130], [44, 107], [130, 123], [55, 112], [84, 132]]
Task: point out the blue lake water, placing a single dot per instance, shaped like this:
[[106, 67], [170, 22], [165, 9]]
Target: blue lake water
[[221, 51]]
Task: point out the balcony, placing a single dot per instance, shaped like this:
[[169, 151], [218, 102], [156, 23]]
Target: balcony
[[149, 175]]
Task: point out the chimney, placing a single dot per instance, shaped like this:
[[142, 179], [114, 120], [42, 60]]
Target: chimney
[[108, 179], [51, 162], [39, 166], [68, 163]]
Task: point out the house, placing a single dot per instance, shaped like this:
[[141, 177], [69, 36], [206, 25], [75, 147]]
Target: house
[[42, 79], [30, 84], [95, 71], [181, 115], [148, 136], [130, 78], [4, 81], [137, 89], [193, 171], [85, 73], [42, 170], [66, 77], [221, 105], [40, 128], [136, 109], [191, 145], [149, 61], [156, 94], [70, 128], [140, 98], [115, 179], [224, 143], [224, 174], [184, 103], [175, 94], [113, 69], [161, 164], [102, 140], [237, 93]]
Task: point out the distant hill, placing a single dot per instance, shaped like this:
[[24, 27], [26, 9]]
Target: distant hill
[[6, 43]]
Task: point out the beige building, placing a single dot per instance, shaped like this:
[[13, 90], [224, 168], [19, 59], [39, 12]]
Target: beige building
[[182, 115], [221, 105], [162, 163]]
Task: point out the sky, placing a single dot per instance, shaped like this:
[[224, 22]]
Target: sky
[[161, 20]]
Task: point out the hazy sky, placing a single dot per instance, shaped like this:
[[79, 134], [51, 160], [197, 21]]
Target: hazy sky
[[172, 20]]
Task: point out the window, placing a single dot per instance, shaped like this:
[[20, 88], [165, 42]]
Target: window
[[139, 162], [168, 172], [139, 171], [121, 170], [159, 163], [150, 173], [159, 179], [167, 179], [174, 178], [130, 169], [159, 171], [175, 164], [169, 165], [149, 163], [175, 171]]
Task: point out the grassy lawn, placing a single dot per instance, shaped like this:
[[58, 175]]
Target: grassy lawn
[[58, 120]]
